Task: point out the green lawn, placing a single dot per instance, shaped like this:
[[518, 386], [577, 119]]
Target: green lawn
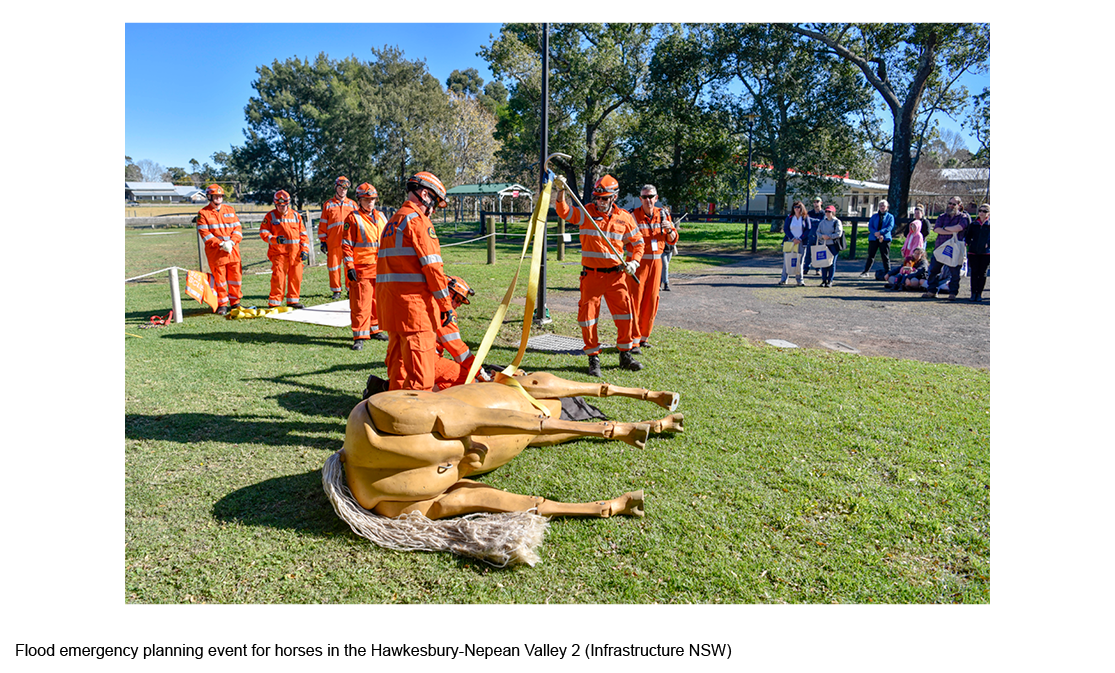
[[802, 476]]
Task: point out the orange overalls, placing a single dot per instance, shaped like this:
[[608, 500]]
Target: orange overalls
[[413, 292], [451, 371], [330, 230], [215, 226], [286, 241], [657, 231], [602, 274], [360, 245]]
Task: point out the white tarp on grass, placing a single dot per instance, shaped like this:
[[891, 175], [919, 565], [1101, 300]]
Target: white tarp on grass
[[333, 314]]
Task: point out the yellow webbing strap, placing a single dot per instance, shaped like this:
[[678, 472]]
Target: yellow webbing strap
[[538, 229]]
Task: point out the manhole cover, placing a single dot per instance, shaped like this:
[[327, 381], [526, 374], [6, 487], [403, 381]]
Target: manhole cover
[[559, 344], [839, 346], [779, 343]]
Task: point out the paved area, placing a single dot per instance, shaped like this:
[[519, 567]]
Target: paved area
[[854, 314]]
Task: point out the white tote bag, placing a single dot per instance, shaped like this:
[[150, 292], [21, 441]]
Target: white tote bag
[[951, 253], [821, 256]]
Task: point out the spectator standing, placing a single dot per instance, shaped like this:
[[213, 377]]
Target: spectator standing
[[657, 232], [951, 224], [914, 237], [360, 254], [288, 246], [978, 236], [330, 231], [817, 214], [668, 253], [413, 290], [219, 229], [602, 272], [795, 229], [829, 230], [880, 230]]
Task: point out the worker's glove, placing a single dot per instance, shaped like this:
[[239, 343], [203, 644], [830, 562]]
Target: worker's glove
[[324, 248], [631, 267], [448, 317], [351, 273], [559, 182], [227, 246], [305, 256]]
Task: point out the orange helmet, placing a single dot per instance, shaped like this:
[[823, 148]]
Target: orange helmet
[[343, 182], [606, 186], [367, 189], [459, 291], [214, 190], [429, 181], [282, 198]]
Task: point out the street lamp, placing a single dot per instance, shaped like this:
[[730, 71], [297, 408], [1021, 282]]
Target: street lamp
[[747, 207]]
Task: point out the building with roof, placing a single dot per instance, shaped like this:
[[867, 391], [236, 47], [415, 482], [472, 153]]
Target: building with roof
[[472, 199], [151, 192]]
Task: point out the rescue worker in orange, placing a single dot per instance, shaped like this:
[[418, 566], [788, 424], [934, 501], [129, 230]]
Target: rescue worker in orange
[[219, 229], [360, 245], [413, 291], [330, 230], [657, 231], [287, 247], [453, 370], [603, 271]]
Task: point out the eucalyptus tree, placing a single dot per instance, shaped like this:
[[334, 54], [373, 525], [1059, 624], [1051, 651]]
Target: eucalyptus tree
[[808, 106], [915, 68], [682, 140], [597, 72]]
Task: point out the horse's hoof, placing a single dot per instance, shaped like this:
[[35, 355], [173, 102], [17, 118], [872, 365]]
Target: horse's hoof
[[633, 505]]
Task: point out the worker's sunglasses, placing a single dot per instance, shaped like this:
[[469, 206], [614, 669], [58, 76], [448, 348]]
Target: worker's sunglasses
[[648, 196]]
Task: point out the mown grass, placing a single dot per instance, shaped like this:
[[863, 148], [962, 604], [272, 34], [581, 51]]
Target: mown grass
[[802, 476]]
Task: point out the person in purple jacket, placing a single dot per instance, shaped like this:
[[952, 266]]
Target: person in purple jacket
[[951, 223]]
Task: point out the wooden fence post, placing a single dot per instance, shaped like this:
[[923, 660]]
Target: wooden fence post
[[491, 228]]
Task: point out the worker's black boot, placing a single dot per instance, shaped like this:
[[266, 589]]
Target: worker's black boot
[[629, 363], [594, 365]]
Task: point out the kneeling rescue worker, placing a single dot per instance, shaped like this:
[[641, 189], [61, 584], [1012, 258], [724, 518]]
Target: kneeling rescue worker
[[287, 247], [603, 270], [360, 245], [412, 287]]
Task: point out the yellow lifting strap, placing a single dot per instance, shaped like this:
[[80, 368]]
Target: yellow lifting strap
[[536, 232], [240, 313]]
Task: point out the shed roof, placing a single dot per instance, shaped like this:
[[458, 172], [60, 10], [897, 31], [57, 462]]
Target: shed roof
[[489, 189]]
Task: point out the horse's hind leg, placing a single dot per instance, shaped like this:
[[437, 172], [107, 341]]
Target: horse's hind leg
[[543, 385], [468, 497]]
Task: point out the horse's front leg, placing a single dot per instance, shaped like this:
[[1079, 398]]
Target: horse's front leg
[[468, 497]]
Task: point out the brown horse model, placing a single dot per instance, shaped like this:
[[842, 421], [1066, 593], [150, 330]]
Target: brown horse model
[[411, 451]]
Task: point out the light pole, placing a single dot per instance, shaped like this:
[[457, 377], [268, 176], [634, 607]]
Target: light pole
[[755, 230], [540, 311]]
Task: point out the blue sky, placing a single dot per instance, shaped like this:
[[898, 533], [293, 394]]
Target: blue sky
[[186, 85]]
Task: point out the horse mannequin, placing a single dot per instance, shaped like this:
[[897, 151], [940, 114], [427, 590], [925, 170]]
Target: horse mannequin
[[408, 451]]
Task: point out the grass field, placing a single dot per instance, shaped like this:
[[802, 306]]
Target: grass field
[[802, 476]]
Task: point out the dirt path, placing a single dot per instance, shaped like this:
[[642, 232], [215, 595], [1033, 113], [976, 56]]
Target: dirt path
[[856, 313]]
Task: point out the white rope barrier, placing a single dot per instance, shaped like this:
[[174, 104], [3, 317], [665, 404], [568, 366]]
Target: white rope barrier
[[175, 296]]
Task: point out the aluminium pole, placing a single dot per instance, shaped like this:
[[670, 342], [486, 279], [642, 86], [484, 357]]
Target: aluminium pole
[[540, 310]]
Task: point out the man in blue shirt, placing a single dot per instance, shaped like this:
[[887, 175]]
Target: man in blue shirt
[[879, 232]]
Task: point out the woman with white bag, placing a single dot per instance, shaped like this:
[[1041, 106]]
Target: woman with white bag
[[949, 250], [829, 231], [795, 230]]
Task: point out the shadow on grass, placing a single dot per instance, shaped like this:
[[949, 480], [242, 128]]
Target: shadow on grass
[[267, 338], [293, 502], [189, 428]]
